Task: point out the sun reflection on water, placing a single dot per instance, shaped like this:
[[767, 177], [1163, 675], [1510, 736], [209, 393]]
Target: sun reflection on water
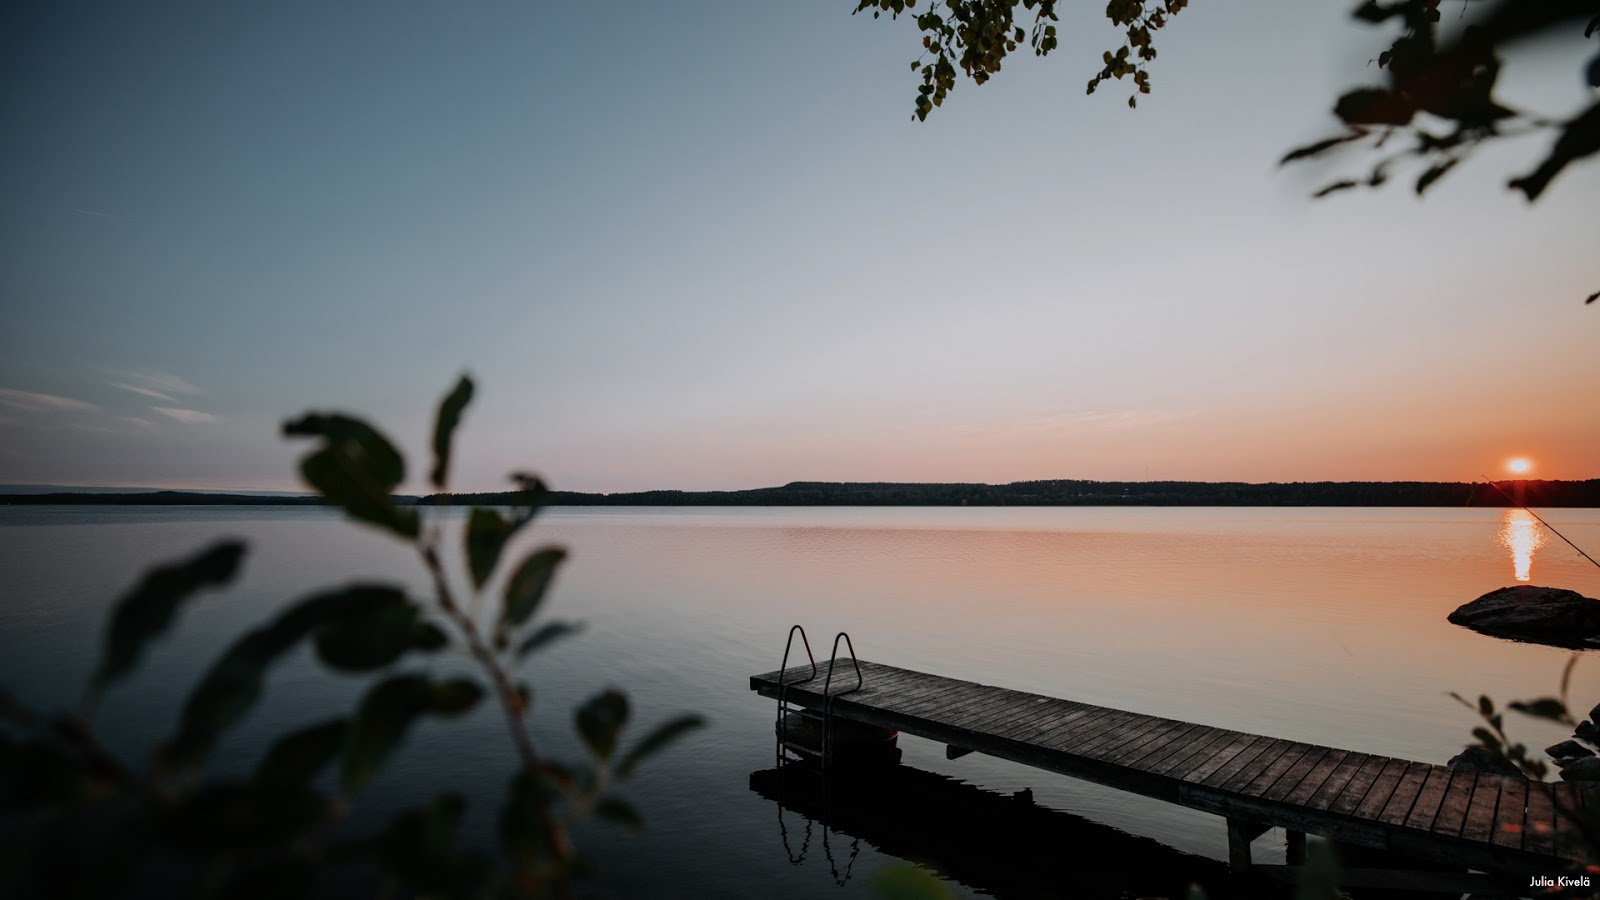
[[1520, 533]]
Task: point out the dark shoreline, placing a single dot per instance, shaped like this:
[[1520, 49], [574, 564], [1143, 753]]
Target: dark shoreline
[[1547, 494]]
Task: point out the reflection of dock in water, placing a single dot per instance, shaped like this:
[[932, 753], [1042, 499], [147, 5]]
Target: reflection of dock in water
[[1003, 845]]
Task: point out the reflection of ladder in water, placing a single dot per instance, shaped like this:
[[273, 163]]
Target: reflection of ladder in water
[[821, 729]]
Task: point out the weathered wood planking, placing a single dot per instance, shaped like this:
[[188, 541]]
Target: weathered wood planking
[[1483, 821]]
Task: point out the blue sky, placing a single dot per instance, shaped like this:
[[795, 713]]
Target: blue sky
[[704, 246]]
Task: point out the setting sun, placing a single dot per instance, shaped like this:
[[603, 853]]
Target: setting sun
[[1519, 466]]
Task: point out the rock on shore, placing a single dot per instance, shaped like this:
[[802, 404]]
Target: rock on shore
[[1477, 759], [1542, 615]]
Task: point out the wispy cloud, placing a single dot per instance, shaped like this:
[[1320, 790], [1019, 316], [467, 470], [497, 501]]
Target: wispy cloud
[[186, 416], [148, 392], [151, 383], [95, 212], [141, 424], [28, 401]]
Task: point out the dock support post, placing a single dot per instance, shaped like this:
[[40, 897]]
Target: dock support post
[[1294, 847], [1240, 834]]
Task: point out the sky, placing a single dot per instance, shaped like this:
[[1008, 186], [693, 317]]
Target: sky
[[705, 246]]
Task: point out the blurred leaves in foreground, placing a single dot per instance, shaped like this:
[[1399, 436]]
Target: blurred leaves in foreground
[[79, 822]]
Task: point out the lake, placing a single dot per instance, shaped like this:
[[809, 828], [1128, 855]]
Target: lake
[[1319, 625]]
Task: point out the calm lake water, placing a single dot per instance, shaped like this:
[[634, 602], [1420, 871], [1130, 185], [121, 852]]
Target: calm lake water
[[1321, 625]]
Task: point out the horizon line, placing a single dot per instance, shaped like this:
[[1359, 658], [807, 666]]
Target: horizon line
[[8, 488]]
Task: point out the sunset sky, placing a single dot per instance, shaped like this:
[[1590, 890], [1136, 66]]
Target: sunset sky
[[704, 246]]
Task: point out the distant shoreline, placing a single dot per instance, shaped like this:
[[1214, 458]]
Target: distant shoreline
[[1550, 494]]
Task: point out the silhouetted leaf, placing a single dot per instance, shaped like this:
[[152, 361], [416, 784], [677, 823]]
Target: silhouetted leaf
[[385, 715], [1335, 187], [533, 495], [371, 452], [525, 818], [1488, 738], [456, 696], [356, 468], [429, 637], [1593, 297], [600, 719], [297, 757], [1592, 27], [1371, 11], [548, 633], [663, 735], [419, 850], [1374, 106], [372, 629], [1593, 72], [487, 533], [526, 587], [1543, 708], [618, 811], [1321, 146], [1485, 705], [1433, 174], [1579, 138], [233, 684], [444, 427], [148, 610]]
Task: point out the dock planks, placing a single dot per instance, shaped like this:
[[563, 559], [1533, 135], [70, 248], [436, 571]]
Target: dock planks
[[1487, 822]]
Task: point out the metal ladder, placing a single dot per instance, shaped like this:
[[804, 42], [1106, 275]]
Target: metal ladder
[[826, 750], [826, 716]]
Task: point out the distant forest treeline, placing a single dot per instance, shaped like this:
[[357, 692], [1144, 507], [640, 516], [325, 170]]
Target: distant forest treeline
[[1021, 493]]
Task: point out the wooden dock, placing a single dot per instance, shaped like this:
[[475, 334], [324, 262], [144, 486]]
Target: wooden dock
[[1428, 812]]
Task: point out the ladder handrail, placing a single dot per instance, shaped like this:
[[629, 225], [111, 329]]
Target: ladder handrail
[[784, 666], [827, 696], [783, 686]]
